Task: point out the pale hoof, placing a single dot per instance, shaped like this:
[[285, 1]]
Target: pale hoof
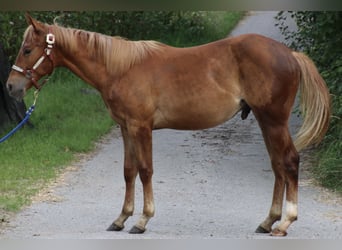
[[278, 233]]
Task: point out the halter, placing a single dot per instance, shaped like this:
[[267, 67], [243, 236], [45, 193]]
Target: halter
[[28, 73]]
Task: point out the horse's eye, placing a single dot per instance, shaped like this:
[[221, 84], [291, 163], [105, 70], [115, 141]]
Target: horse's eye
[[27, 51]]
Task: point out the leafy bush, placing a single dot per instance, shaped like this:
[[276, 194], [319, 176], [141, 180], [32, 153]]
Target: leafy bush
[[319, 35]]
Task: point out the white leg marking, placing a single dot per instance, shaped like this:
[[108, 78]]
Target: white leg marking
[[291, 210]]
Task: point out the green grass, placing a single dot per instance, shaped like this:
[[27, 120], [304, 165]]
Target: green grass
[[328, 165], [69, 117]]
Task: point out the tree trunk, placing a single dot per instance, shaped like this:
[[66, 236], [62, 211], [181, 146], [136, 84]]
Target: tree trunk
[[11, 110]]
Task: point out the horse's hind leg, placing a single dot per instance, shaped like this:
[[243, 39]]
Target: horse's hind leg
[[285, 161]]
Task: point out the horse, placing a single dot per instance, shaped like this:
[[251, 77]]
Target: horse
[[148, 85]]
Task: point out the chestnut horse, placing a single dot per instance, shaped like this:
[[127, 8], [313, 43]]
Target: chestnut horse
[[148, 85]]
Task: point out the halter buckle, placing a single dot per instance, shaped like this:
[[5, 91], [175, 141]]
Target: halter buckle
[[50, 38]]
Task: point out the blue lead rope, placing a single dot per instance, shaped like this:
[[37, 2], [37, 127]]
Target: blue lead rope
[[26, 118]]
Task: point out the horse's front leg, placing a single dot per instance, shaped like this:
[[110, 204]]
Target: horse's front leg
[[138, 159], [142, 138], [130, 173]]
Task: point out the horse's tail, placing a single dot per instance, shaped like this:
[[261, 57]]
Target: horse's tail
[[315, 104]]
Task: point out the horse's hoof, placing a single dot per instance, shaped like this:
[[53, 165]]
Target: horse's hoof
[[278, 233], [136, 230], [261, 230], [114, 227]]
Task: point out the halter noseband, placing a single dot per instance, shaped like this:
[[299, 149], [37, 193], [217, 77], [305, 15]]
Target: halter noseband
[[28, 73]]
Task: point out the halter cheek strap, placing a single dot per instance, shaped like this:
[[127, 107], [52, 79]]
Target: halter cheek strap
[[50, 41]]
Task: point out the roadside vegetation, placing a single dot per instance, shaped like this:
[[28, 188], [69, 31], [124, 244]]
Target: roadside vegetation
[[320, 37], [70, 116]]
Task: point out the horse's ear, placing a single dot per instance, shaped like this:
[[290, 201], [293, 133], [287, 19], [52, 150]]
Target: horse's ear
[[37, 26]]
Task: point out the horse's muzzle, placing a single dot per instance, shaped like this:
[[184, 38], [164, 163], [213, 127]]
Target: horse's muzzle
[[18, 92]]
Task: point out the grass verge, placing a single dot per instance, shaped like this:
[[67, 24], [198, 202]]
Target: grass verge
[[69, 117], [328, 165]]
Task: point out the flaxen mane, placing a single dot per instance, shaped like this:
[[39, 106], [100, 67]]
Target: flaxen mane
[[116, 53]]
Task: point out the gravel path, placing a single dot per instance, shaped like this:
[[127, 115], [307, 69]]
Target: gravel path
[[215, 183]]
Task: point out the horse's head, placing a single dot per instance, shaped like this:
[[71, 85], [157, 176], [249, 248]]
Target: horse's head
[[33, 60]]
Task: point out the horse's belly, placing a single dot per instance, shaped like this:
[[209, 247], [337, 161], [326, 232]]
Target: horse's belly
[[197, 115]]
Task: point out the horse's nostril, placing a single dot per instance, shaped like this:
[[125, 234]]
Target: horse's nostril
[[9, 87]]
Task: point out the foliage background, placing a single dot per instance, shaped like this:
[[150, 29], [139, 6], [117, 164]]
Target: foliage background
[[319, 35]]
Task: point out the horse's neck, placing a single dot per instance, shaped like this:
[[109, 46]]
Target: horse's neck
[[82, 65], [108, 57]]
